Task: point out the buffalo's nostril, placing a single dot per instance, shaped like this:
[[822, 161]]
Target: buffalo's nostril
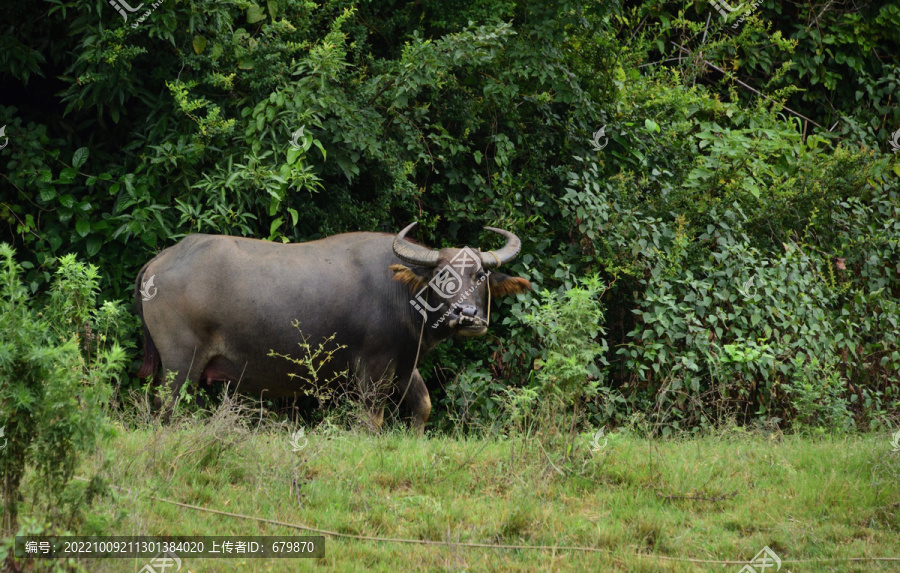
[[468, 310]]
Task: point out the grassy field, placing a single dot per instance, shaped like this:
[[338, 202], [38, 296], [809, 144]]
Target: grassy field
[[639, 504]]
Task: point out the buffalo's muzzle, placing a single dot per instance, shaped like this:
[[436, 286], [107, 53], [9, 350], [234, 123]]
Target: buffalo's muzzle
[[465, 320]]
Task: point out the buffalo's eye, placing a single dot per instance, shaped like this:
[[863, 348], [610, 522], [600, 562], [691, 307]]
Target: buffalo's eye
[[479, 275]]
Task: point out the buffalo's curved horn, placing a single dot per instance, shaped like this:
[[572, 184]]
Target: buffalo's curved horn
[[412, 253], [508, 252]]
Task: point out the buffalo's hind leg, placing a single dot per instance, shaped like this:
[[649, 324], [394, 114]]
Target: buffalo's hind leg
[[185, 363]]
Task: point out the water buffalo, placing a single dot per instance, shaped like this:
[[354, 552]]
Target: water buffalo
[[214, 306]]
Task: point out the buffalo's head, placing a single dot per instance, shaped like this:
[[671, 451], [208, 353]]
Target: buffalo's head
[[449, 287]]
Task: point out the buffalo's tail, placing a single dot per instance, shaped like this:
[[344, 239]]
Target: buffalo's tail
[[151, 354]]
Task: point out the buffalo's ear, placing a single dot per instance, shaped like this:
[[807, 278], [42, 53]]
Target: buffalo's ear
[[505, 285], [408, 277]]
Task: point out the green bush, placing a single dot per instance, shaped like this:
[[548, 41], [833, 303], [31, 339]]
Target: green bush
[[566, 383], [473, 400], [739, 253], [568, 327], [818, 396], [56, 369]]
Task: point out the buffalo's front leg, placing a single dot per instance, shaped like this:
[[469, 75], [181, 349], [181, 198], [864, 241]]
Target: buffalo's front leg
[[376, 417], [418, 401]]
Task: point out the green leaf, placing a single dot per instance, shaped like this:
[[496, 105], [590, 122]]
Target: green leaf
[[199, 44], [294, 216], [292, 155], [149, 238], [477, 155], [751, 186], [274, 226], [67, 201], [322, 149], [93, 245], [255, 14], [67, 175], [82, 227], [651, 126], [47, 194], [273, 8], [80, 156]]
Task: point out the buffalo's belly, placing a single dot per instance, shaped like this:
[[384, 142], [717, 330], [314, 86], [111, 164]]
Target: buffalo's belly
[[275, 376]]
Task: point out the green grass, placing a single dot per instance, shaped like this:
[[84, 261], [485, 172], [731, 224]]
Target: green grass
[[721, 497]]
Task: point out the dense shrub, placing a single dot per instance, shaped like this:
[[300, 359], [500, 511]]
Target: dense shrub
[[748, 274], [836, 64], [56, 369]]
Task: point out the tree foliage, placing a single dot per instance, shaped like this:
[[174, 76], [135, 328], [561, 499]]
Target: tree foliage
[[750, 148]]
